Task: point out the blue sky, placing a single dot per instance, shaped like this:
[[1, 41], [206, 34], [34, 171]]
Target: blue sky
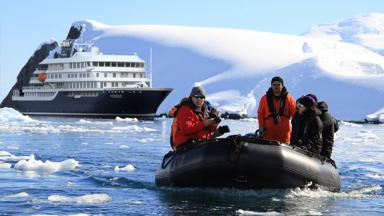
[[24, 24]]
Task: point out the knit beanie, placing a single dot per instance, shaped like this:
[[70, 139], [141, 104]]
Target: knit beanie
[[277, 79], [307, 101], [313, 96], [197, 90]]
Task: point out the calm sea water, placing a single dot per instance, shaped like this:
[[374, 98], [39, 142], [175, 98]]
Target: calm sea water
[[117, 161]]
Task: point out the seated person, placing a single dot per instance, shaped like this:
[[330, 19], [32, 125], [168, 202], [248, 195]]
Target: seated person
[[307, 128], [330, 126], [193, 119]]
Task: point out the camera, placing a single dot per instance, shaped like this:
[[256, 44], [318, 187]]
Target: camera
[[223, 129], [276, 118], [217, 119]]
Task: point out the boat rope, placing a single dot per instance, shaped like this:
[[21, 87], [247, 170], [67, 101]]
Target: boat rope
[[235, 147], [165, 162]]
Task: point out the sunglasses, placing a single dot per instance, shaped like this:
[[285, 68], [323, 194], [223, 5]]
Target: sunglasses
[[199, 97], [300, 106], [276, 84]]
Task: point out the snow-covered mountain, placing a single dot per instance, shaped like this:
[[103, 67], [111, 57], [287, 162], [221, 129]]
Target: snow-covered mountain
[[366, 30], [235, 66]]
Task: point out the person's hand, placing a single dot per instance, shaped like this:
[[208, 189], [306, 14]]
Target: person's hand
[[261, 132], [208, 122]]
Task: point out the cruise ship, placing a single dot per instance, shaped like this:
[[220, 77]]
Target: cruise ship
[[81, 81]]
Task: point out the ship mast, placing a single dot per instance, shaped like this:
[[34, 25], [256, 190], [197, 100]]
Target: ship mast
[[150, 67]]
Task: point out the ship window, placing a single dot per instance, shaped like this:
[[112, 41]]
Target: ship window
[[134, 75], [114, 74], [105, 84], [88, 64], [94, 64], [107, 64], [82, 64], [105, 74], [87, 74], [70, 65], [75, 75], [127, 64], [142, 64], [97, 74], [120, 64], [77, 64], [101, 64], [113, 64]]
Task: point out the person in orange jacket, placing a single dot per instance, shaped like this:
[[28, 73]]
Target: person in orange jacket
[[193, 119], [275, 110]]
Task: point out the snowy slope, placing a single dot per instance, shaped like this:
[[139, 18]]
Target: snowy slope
[[235, 66], [366, 30]]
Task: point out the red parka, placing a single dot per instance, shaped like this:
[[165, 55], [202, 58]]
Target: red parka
[[282, 130], [189, 125]]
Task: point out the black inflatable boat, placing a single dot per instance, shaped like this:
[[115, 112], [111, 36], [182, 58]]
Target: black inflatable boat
[[247, 163]]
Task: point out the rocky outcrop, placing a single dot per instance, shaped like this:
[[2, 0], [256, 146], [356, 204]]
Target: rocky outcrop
[[26, 72]]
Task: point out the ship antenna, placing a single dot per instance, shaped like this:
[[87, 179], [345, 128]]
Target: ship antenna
[[150, 67]]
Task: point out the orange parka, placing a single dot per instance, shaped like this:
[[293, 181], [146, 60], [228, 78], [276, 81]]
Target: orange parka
[[276, 131], [188, 125]]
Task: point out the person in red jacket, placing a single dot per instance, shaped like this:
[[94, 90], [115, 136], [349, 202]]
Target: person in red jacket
[[275, 110], [192, 119]]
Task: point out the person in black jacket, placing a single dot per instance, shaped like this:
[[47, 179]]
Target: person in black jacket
[[330, 126], [307, 127]]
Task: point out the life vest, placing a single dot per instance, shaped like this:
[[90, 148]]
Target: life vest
[[276, 115], [42, 76]]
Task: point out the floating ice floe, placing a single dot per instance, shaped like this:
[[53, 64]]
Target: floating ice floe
[[5, 165], [9, 115], [18, 195], [245, 212], [376, 117], [145, 140], [90, 198], [350, 124], [45, 167], [133, 128], [128, 168], [83, 121], [126, 119], [8, 157]]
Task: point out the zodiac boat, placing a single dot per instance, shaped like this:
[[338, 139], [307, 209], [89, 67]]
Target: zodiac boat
[[245, 162]]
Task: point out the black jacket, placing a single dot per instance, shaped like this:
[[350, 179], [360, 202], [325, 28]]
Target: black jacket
[[306, 130], [330, 126]]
